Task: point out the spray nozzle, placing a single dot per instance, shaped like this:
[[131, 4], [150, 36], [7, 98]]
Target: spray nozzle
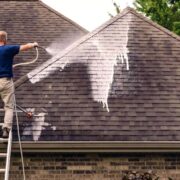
[[29, 115], [35, 44], [42, 47]]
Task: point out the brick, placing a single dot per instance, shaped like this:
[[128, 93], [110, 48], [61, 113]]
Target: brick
[[106, 166]]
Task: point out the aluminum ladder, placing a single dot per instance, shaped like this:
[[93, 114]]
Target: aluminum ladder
[[7, 155]]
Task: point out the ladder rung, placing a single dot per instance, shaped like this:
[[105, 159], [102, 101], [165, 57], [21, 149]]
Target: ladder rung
[[3, 139], [2, 110], [3, 154], [2, 170]]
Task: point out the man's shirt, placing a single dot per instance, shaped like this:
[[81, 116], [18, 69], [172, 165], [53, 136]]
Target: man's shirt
[[7, 53]]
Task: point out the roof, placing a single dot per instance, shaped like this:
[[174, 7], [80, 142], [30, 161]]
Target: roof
[[30, 21], [129, 65]]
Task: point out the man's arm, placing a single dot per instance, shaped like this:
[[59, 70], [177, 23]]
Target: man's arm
[[28, 46]]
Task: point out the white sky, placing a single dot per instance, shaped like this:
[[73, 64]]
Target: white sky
[[88, 13]]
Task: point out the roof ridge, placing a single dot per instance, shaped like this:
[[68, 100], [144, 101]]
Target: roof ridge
[[64, 17], [163, 29]]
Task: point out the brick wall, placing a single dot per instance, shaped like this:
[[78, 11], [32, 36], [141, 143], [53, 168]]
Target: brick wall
[[54, 166]]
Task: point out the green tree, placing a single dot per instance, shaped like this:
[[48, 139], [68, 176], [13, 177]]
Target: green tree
[[164, 12]]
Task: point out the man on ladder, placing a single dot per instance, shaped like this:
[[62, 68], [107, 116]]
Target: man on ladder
[[7, 53]]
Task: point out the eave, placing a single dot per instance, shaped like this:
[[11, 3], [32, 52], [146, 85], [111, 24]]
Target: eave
[[98, 146]]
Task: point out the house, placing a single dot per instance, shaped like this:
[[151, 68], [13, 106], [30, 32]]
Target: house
[[105, 105]]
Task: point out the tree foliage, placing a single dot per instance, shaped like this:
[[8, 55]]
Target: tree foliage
[[164, 12]]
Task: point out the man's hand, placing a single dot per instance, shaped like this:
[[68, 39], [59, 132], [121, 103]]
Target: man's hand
[[28, 46], [36, 44]]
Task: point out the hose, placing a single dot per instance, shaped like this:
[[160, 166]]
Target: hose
[[16, 114], [17, 119], [30, 62], [19, 138]]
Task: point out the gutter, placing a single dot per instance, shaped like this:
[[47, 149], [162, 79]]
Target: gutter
[[97, 146]]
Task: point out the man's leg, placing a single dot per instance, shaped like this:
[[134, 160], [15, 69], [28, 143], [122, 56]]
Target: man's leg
[[7, 96]]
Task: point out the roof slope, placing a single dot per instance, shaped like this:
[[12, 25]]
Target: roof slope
[[29, 21], [143, 102]]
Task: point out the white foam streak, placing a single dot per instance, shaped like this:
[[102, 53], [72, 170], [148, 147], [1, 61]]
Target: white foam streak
[[101, 75], [37, 125]]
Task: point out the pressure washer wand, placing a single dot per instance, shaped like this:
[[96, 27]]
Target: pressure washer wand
[[29, 114], [41, 47]]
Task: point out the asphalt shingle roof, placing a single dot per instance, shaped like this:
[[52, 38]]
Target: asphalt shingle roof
[[143, 102]]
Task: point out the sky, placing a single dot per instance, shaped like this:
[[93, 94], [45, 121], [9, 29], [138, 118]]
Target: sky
[[89, 14]]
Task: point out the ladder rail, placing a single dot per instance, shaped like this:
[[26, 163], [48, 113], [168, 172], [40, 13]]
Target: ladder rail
[[2, 110], [8, 158]]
